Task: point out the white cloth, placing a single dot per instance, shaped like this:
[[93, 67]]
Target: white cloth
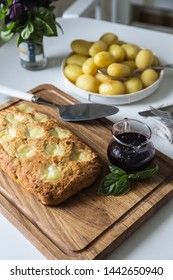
[[160, 129]]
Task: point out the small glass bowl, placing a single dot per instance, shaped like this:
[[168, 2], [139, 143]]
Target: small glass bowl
[[131, 148]]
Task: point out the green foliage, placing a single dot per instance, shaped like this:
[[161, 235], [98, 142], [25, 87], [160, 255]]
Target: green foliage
[[35, 26], [117, 182]]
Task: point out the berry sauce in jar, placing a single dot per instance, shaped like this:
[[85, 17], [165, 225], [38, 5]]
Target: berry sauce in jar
[[130, 151]]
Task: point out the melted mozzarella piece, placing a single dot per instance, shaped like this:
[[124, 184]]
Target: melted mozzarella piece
[[39, 117], [25, 151], [34, 132], [25, 108], [50, 172], [80, 155], [54, 149], [7, 134], [60, 133], [14, 118]]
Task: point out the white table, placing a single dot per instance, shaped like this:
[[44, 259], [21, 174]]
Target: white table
[[154, 239]]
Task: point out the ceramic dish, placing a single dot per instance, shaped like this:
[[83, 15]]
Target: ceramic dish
[[109, 99]]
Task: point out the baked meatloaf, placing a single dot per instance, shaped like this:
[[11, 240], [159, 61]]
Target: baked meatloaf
[[44, 157]]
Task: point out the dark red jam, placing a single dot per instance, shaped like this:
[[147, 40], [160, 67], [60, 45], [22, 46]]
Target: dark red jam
[[134, 153]]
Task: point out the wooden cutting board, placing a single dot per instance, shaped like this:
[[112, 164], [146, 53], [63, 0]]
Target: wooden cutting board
[[87, 225]]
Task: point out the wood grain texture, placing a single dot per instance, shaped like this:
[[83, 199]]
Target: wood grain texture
[[87, 225]]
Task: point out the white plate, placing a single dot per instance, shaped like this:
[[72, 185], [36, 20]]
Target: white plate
[[109, 99]]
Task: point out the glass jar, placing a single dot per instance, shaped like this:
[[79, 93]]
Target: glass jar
[[130, 147], [32, 55]]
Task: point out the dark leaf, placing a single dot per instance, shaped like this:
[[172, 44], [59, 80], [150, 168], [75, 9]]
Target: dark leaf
[[17, 16], [122, 185], [118, 181], [27, 31], [108, 184], [113, 184], [147, 173], [6, 35], [116, 170]]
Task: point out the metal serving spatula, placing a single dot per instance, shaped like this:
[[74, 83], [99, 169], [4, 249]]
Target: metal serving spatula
[[75, 112]]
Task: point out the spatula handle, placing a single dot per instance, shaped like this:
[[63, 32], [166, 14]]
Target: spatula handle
[[15, 93], [42, 101]]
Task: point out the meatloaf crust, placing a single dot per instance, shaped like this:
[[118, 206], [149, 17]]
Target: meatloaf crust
[[44, 157]]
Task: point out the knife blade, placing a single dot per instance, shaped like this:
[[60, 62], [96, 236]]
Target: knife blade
[[148, 113]]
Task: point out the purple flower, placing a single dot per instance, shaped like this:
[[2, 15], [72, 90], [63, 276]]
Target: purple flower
[[29, 18], [19, 9], [15, 11]]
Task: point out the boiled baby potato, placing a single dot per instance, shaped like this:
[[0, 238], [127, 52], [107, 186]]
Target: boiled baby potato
[[131, 50], [118, 52], [97, 47], [148, 77], [104, 59], [144, 58], [118, 57], [156, 61], [130, 63], [118, 70], [119, 42], [87, 82], [101, 78], [133, 85], [112, 87], [76, 59], [89, 67], [81, 46], [108, 38], [72, 72]]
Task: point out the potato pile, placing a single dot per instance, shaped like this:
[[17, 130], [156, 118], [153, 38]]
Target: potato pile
[[118, 57]]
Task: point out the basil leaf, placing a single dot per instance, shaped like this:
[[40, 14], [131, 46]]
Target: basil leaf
[[144, 174], [26, 32], [6, 35], [38, 21], [113, 184], [42, 27], [118, 181], [116, 170], [122, 185], [108, 184]]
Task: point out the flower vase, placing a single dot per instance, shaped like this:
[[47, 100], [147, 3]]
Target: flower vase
[[32, 55]]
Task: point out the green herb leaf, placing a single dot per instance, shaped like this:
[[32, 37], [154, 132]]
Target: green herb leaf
[[42, 27], [122, 185], [27, 31], [34, 23], [108, 184], [117, 182], [113, 184], [116, 170], [147, 173], [6, 35]]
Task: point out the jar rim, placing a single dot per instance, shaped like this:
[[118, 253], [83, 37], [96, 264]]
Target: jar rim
[[130, 145]]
